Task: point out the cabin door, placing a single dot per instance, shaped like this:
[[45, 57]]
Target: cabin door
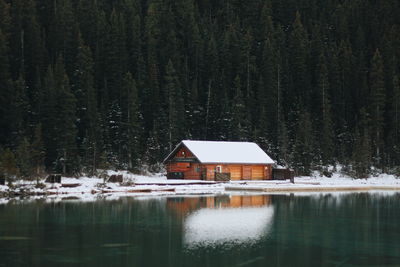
[[246, 172]]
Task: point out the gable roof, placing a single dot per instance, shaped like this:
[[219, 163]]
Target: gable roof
[[224, 152]]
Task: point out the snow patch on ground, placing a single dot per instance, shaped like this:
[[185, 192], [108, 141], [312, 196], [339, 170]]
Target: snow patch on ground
[[91, 189]]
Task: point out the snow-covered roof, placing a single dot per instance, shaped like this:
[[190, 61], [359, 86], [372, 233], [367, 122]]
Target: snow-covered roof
[[225, 152]]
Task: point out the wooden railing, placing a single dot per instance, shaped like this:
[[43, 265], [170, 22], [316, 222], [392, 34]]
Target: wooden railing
[[222, 176]]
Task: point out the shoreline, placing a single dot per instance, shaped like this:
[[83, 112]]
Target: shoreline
[[314, 189], [157, 185]]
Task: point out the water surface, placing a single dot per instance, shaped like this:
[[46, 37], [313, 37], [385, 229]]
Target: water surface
[[358, 229]]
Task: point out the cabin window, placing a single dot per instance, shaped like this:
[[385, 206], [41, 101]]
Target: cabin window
[[198, 169], [183, 153], [218, 169]]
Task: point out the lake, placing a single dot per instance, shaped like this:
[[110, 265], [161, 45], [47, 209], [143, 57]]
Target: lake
[[355, 229]]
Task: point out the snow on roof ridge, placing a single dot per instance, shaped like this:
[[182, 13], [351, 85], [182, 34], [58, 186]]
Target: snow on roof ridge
[[212, 141]]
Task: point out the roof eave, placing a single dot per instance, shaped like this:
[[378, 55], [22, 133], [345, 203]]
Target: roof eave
[[240, 163], [170, 155], [172, 152]]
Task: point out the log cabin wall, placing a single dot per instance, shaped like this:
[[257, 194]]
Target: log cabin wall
[[183, 152], [268, 172], [191, 171], [241, 172], [183, 162]]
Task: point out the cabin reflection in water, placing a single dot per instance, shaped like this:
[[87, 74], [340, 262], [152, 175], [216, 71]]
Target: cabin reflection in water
[[224, 220]]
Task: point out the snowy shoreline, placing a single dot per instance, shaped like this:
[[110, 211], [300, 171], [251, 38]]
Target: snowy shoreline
[[137, 185]]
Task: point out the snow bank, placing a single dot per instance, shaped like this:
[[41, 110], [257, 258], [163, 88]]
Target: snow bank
[[86, 188]]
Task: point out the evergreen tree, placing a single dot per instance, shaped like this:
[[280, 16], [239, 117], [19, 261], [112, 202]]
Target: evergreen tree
[[211, 60], [6, 91], [65, 121], [362, 154], [393, 141], [377, 107], [134, 41], [300, 88], [151, 94], [132, 122], [19, 112], [24, 158], [8, 165], [262, 126], [63, 34], [59, 116], [153, 149], [5, 18], [303, 150], [88, 137], [240, 122], [326, 134], [38, 152], [176, 112], [114, 135], [270, 95], [283, 155], [27, 50], [116, 55]]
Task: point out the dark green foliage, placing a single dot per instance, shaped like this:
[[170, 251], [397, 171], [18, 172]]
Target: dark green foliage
[[131, 123], [377, 107], [6, 91], [59, 118], [304, 145], [88, 134], [38, 152], [362, 151], [240, 129], [119, 83], [176, 107], [8, 165], [326, 133], [24, 160]]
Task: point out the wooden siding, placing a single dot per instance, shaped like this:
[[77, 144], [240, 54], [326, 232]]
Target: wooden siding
[[191, 171], [236, 172], [257, 172], [183, 152], [268, 172], [197, 171], [210, 172], [178, 166]]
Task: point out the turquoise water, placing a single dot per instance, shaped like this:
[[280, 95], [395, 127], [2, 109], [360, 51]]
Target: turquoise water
[[358, 229]]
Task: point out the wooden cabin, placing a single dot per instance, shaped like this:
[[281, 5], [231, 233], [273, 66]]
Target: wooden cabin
[[219, 161]]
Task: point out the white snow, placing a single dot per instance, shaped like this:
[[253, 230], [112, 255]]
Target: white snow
[[226, 152], [336, 182], [211, 227], [157, 185]]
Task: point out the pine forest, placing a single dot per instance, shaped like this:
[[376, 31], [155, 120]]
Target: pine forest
[[116, 84]]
